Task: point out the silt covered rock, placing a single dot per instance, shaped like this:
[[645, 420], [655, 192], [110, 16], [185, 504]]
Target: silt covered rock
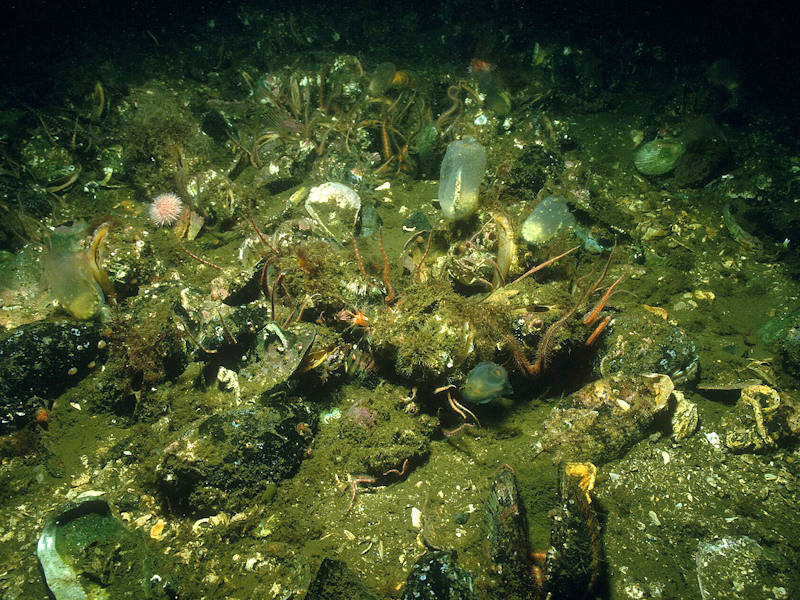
[[604, 418], [237, 451], [336, 581], [40, 360], [640, 342]]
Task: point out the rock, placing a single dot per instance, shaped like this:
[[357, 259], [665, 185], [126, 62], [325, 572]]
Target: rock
[[533, 167], [430, 338], [237, 451], [216, 126], [496, 97], [416, 221], [727, 78], [640, 342], [779, 329], [437, 576], [335, 581], [789, 346], [128, 260], [604, 418], [703, 161], [739, 567], [374, 437], [40, 360], [371, 221], [245, 285]]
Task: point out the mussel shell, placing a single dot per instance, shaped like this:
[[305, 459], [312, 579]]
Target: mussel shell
[[271, 363], [658, 157], [80, 534]]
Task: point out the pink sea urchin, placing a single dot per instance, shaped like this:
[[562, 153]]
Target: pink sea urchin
[[165, 209]]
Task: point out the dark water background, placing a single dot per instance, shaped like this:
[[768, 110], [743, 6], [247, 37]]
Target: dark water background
[[40, 39]]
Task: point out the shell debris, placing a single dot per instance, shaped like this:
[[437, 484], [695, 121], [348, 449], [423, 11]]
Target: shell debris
[[416, 518], [157, 530]]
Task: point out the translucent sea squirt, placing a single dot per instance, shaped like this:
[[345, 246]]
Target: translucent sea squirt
[[335, 209], [549, 217], [462, 172], [69, 273], [486, 382], [381, 79]]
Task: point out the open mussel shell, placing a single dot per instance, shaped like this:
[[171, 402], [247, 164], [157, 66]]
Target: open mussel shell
[[86, 553], [277, 354]]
